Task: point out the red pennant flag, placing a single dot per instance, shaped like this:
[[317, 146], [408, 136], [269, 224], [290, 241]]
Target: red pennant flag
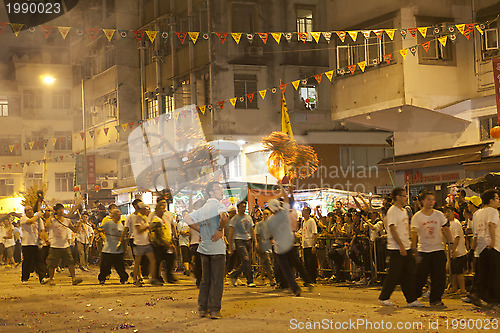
[[61, 139], [182, 36], [250, 97], [426, 46], [61, 157], [106, 129], [387, 57], [222, 36], [413, 32], [2, 26], [470, 26], [28, 163], [131, 124], [283, 88], [47, 29], [352, 68], [138, 34], [379, 33], [92, 32], [221, 104], [318, 77], [467, 34], [303, 36], [263, 36], [82, 134]]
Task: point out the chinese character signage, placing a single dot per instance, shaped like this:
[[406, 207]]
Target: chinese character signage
[[91, 172], [80, 170]]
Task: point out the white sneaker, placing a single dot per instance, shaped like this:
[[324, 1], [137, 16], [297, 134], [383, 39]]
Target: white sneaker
[[45, 280], [415, 304], [386, 302]]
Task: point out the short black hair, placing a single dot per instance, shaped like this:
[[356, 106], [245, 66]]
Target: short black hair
[[308, 209], [210, 186], [97, 202], [397, 191], [424, 194], [112, 206], [462, 193], [488, 195], [240, 203], [135, 202], [448, 208], [58, 206], [85, 213]]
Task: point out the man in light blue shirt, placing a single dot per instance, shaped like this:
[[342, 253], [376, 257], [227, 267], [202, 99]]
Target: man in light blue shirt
[[210, 220]]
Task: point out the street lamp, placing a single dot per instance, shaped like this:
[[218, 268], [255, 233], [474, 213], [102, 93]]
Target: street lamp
[[48, 79]]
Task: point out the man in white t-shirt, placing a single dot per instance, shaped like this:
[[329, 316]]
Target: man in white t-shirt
[[84, 239], [485, 228], [309, 240], [458, 252], [401, 262], [142, 245], [426, 226]]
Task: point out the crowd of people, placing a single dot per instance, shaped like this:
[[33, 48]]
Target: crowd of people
[[398, 243]]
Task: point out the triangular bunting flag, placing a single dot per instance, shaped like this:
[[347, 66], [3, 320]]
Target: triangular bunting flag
[[28, 163], [54, 141], [328, 74], [461, 28], [124, 126], [16, 27], [46, 29], [413, 32], [262, 93], [79, 32], [106, 129], [318, 77], [151, 35], [117, 127], [82, 134], [123, 33], [479, 29], [2, 26], [303, 36], [403, 33], [250, 37], [443, 40], [366, 33], [233, 101], [403, 52], [11, 147], [176, 115], [387, 57], [426, 46], [138, 34], [316, 36], [467, 34], [276, 36], [194, 36], [423, 31], [263, 36], [222, 36], [182, 36], [91, 133], [413, 50], [202, 109], [362, 65], [31, 144], [379, 33], [164, 36], [390, 33], [295, 84], [283, 88], [250, 97], [436, 30], [92, 32], [236, 36], [109, 33], [205, 36], [353, 34], [327, 35], [131, 124], [470, 26], [221, 103], [352, 68], [288, 36]]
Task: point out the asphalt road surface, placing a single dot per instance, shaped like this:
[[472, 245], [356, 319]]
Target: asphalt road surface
[[91, 307]]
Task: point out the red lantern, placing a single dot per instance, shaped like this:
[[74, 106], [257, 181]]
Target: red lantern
[[97, 188], [76, 189], [495, 132]]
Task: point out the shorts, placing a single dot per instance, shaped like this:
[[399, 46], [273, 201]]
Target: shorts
[[56, 255], [458, 265], [9, 252], [140, 250], [186, 256]]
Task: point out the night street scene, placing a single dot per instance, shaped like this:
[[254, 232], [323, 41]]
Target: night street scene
[[249, 166]]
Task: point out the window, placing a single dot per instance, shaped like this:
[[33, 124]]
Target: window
[[64, 141], [308, 96], [38, 140], [153, 108], [32, 99], [485, 126], [243, 17], [8, 142], [61, 100], [489, 42], [32, 179], [4, 106], [169, 104], [110, 7], [437, 54], [245, 84], [256, 162], [103, 110], [305, 20], [126, 169], [363, 156], [6, 187], [233, 168], [64, 181]]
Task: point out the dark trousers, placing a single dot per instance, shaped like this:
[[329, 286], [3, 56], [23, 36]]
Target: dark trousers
[[495, 263], [433, 264], [161, 253], [278, 274], [311, 263], [286, 263], [17, 252], [244, 251], [485, 275], [32, 261], [115, 260], [212, 282], [196, 257], [299, 266], [402, 272]]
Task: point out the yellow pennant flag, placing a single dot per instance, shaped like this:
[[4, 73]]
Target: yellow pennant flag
[[423, 31], [54, 140], [362, 65], [151, 35], [109, 33], [461, 28], [443, 39], [11, 147], [124, 126], [233, 100], [64, 31], [353, 34], [194, 36], [176, 115], [286, 126], [31, 144], [480, 30], [316, 36], [404, 52], [202, 109], [295, 84], [263, 93], [329, 75], [276, 36], [236, 36], [390, 33], [16, 27]]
